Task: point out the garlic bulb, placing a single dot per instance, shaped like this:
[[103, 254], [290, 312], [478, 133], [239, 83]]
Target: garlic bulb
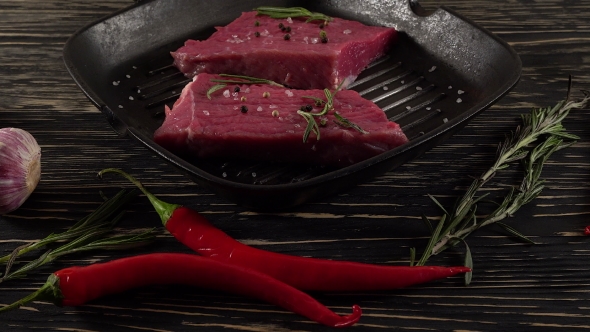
[[20, 167]]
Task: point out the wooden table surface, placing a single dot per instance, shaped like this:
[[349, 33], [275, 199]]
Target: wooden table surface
[[515, 287]]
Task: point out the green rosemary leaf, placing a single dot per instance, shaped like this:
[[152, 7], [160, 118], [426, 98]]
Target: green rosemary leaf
[[438, 204], [312, 126], [214, 88], [344, 122], [427, 223], [468, 262], [317, 101], [412, 256], [514, 232], [433, 240], [241, 79]]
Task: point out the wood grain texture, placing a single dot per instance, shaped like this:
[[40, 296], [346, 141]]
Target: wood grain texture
[[516, 287]]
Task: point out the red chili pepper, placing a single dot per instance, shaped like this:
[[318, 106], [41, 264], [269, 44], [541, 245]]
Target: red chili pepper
[[78, 285], [312, 274], [587, 230]]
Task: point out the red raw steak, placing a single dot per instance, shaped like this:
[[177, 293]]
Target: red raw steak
[[261, 122], [302, 62]]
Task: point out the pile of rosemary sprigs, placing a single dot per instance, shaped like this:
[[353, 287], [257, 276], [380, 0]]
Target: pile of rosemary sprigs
[[540, 135]]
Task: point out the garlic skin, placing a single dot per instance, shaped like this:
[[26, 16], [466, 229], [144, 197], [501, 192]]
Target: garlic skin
[[20, 167]]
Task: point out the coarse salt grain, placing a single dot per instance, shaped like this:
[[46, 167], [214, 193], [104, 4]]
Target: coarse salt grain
[[450, 87], [224, 174], [315, 40], [289, 93], [428, 108], [459, 100], [128, 76], [433, 68], [259, 109], [419, 88], [120, 106], [206, 112], [460, 92], [445, 120], [272, 106], [408, 107], [226, 93], [385, 88], [115, 83], [289, 20], [247, 90], [131, 98], [347, 31]]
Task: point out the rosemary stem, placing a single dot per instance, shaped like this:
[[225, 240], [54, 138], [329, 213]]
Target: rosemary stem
[[541, 134]]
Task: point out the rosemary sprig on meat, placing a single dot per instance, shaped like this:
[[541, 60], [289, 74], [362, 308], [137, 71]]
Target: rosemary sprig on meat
[[237, 79], [328, 105], [540, 135], [292, 12]]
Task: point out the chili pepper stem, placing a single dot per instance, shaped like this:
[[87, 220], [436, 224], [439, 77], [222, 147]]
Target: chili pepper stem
[[48, 292], [164, 209]]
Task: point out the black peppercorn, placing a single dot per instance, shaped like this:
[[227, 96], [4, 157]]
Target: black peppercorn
[[308, 108], [287, 37], [244, 109], [256, 34], [237, 89], [257, 23], [281, 26], [288, 29]]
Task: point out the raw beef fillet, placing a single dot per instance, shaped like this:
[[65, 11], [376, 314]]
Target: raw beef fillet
[[300, 61], [261, 122]]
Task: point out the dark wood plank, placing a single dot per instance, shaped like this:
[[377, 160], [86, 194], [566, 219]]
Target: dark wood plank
[[516, 287]]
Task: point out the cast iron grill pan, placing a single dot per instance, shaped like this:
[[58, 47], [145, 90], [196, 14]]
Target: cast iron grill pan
[[443, 71]]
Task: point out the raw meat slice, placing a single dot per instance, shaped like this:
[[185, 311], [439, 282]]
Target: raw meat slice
[[302, 61], [261, 122]]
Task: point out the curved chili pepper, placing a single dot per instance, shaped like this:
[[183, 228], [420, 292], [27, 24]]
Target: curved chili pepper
[[312, 274], [78, 285]]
